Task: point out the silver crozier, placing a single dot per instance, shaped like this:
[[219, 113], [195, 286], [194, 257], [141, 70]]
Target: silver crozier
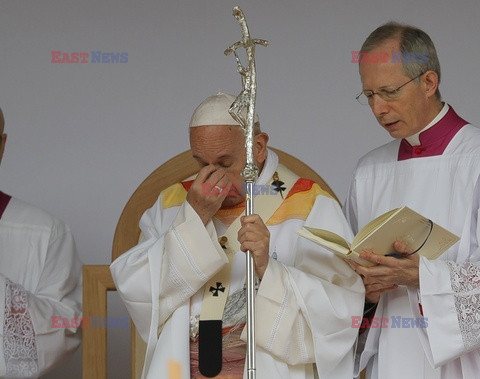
[[243, 111]]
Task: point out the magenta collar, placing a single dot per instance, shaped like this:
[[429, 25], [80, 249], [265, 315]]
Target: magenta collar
[[434, 140]]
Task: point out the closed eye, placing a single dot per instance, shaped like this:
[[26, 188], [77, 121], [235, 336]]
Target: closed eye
[[388, 92]]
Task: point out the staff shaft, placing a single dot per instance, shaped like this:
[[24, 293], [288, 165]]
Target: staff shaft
[[251, 363]]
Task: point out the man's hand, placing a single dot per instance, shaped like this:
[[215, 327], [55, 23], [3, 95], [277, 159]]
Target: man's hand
[[254, 236], [389, 272], [208, 191], [373, 290]]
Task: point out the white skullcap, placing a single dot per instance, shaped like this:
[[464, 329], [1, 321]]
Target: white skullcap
[[214, 111]]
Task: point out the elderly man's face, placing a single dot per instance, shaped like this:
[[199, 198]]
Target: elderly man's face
[[412, 110], [224, 147]]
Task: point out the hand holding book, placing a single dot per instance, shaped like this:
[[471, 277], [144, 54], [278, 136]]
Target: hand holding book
[[401, 224], [388, 273]]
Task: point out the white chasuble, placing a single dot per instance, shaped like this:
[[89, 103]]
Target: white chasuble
[[304, 303]]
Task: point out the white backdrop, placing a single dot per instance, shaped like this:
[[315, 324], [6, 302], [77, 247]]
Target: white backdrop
[[82, 136]]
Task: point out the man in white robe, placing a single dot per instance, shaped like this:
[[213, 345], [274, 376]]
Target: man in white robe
[[432, 166], [306, 296], [40, 288]]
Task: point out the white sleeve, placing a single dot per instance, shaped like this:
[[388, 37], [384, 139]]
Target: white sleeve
[[31, 342], [305, 311], [169, 266], [450, 297]]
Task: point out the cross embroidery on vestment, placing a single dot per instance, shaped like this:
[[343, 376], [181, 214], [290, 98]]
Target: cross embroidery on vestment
[[218, 288]]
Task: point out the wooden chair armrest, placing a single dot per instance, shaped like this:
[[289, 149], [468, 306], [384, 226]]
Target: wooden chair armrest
[[97, 280]]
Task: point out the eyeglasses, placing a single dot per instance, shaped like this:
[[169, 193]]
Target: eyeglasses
[[387, 94]]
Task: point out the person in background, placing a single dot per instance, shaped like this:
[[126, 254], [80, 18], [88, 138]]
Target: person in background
[[40, 288]]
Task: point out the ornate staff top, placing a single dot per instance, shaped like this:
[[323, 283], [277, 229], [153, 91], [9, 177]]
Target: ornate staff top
[[243, 108]]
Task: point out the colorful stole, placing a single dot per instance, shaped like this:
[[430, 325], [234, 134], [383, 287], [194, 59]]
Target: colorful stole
[[296, 200], [267, 201]]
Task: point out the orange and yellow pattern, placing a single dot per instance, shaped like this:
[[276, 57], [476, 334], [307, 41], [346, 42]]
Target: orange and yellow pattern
[[297, 204]]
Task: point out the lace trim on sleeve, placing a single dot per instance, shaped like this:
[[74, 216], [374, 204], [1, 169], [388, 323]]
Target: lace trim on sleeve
[[19, 344], [465, 280]]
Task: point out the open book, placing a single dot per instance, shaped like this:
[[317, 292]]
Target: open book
[[400, 224]]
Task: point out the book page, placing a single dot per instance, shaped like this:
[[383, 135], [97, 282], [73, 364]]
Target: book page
[[373, 225], [411, 228], [329, 236], [326, 239], [332, 242]]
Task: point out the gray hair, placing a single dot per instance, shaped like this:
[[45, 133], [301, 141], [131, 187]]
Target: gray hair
[[412, 40]]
